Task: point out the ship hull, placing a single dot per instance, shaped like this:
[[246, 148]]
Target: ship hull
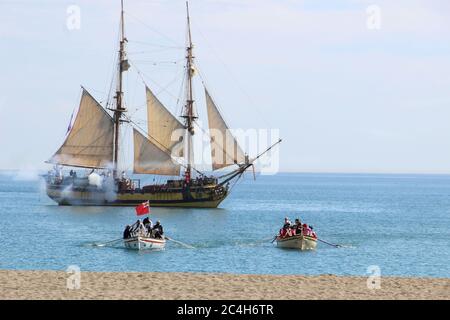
[[190, 199], [297, 242]]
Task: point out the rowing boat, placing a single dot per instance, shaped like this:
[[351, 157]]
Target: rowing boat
[[297, 242], [144, 243]]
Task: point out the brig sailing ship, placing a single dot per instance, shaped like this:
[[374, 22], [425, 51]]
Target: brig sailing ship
[[166, 149]]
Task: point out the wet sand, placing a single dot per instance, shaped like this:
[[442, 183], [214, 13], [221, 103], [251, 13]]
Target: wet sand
[[162, 285]]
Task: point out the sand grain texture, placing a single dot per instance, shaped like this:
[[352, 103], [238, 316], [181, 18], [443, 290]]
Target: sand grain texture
[[161, 285]]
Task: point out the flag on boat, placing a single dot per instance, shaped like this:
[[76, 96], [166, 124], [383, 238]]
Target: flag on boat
[[143, 208]]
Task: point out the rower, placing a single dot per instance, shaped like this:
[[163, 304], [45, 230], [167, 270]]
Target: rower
[[127, 232], [148, 224], [297, 226], [287, 223], [137, 227], [285, 230], [158, 229], [305, 229]]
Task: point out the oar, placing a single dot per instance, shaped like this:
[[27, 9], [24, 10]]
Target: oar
[[273, 239], [330, 244], [180, 243], [106, 243]]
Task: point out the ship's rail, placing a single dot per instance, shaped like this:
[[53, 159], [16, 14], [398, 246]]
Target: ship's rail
[[129, 184]]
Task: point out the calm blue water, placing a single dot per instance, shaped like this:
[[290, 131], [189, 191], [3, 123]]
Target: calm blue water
[[399, 222]]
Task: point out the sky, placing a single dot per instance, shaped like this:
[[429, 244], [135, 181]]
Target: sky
[[352, 86]]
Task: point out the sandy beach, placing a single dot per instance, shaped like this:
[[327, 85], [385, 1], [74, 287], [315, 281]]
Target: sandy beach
[[155, 285]]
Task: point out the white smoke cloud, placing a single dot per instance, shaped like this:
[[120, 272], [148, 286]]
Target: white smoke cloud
[[95, 180], [27, 174]]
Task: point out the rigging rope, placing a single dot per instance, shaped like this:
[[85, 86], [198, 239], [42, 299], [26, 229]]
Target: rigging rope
[[178, 108], [142, 74], [153, 29], [156, 45], [230, 73], [156, 63]]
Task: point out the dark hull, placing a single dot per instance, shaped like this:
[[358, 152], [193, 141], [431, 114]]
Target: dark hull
[[205, 197]]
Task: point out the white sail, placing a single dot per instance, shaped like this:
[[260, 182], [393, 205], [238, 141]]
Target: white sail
[[163, 128], [90, 141], [225, 150], [151, 159]]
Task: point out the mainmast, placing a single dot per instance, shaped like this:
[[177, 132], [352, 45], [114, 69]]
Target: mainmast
[[189, 109], [123, 66]]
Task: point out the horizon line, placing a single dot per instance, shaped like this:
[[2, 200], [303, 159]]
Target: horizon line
[[296, 172]]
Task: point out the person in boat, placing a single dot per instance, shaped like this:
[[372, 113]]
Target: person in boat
[[313, 233], [148, 224], [306, 230], [297, 227], [286, 230], [138, 227], [158, 229], [287, 223], [147, 221], [133, 228], [127, 232]]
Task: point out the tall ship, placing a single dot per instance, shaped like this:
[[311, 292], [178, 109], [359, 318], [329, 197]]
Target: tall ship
[[164, 149]]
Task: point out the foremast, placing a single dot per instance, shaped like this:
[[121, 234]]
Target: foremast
[[120, 109], [189, 108]]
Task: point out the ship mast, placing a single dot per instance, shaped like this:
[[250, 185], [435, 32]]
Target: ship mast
[[189, 109], [123, 66]]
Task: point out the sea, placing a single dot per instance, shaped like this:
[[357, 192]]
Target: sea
[[391, 224]]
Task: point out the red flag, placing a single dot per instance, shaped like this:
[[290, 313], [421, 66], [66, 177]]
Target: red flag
[[143, 208]]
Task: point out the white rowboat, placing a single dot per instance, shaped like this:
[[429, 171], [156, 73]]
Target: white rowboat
[[144, 243], [297, 242]]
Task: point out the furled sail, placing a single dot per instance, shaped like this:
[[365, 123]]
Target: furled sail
[[90, 140], [163, 128], [151, 159], [225, 150]]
